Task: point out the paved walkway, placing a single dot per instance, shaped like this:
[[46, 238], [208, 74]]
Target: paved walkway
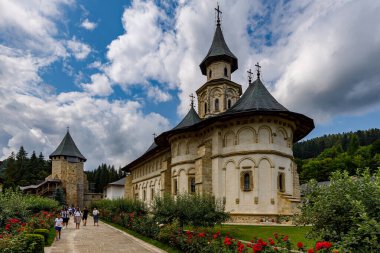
[[101, 239]]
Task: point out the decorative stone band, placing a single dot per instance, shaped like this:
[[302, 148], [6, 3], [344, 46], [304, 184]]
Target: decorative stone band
[[254, 152]]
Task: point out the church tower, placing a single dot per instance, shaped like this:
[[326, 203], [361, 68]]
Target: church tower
[[67, 166], [219, 93]]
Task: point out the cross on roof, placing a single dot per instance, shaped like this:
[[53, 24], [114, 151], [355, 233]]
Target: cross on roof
[[192, 100], [154, 135], [218, 12], [249, 76], [258, 67], [68, 128]]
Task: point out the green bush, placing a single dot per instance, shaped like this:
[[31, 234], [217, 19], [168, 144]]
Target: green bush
[[14, 244], [43, 232], [36, 243], [189, 209], [120, 206], [346, 212]]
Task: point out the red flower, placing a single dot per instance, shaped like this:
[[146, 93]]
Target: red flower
[[257, 247], [300, 245], [227, 241], [310, 251], [275, 249], [285, 238], [201, 235], [275, 235]]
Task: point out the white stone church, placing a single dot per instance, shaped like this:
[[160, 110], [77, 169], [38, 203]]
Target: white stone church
[[237, 147]]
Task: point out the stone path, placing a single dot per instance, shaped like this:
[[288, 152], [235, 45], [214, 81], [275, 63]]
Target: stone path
[[101, 239]]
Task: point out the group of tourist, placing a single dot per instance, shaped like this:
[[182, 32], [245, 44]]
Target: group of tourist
[[63, 218]]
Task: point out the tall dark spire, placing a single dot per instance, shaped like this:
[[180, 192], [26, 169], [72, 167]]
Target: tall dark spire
[[67, 147], [219, 50]]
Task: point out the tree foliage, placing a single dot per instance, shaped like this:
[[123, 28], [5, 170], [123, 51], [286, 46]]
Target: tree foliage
[[102, 176], [338, 158], [19, 169], [346, 212]]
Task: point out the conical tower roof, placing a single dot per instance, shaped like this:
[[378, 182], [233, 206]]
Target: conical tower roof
[[219, 51], [67, 147], [256, 98], [190, 119]]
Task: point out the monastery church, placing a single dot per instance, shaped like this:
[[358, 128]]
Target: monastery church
[[237, 147]]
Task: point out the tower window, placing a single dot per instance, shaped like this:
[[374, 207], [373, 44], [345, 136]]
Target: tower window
[[246, 181], [205, 108], [281, 182], [216, 104], [229, 103], [192, 184], [225, 71], [210, 73], [175, 187]]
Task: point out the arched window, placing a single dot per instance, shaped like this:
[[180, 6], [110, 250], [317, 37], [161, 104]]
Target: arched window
[[229, 103], [209, 73], [216, 104], [205, 108], [225, 71], [247, 183], [175, 187]]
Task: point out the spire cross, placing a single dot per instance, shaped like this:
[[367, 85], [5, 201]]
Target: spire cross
[[249, 76], [258, 67], [68, 128], [218, 12], [192, 100], [154, 135]]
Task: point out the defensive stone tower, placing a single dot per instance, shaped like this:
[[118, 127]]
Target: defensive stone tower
[[67, 166]]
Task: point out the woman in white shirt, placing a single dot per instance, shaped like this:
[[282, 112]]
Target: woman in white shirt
[[77, 218], [95, 213], [58, 224]]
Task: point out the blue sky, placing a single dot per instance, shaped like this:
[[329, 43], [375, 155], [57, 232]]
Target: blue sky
[[118, 71]]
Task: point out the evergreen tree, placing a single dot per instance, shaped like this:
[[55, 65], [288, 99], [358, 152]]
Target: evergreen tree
[[59, 195]]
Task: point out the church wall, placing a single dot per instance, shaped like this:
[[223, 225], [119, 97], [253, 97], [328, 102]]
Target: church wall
[[217, 70], [149, 179], [260, 148]]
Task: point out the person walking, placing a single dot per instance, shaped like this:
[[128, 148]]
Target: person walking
[[65, 217], [85, 215], [58, 224], [95, 214], [77, 217]]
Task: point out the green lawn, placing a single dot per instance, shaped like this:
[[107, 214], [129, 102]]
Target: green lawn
[[245, 232]]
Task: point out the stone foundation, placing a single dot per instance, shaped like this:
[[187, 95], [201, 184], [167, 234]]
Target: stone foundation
[[259, 219]]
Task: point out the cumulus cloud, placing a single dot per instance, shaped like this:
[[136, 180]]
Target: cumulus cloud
[[158, 95], [79, 49], [88, 25], [99, 86]]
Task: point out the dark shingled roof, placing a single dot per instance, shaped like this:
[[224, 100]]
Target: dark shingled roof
[[67, 148], [151, 147], [190, 119], [119, 182], [219, 51], [256, 98]]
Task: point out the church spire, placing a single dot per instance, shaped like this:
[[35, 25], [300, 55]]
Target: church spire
[[219, 50]]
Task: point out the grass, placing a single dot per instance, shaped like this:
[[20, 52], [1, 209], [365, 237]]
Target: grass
[[246, 233], [151, 241]]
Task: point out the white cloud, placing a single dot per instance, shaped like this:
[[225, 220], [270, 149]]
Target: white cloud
[[79, 49], [99, 86], [158, 95], [87, 24]]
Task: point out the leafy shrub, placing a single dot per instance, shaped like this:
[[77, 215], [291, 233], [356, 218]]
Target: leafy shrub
[[189, 209], [346, 212], [14, 244], [43, 232], [120, 206], [36, 243]]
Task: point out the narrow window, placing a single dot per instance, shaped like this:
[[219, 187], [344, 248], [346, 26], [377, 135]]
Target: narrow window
[[205, 108], [229, 103], [144, 195], [175, 187], [151, 194], [281, 182], [247, 182], [216, 104], [192, 184], [209, 73], [225, 72]]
